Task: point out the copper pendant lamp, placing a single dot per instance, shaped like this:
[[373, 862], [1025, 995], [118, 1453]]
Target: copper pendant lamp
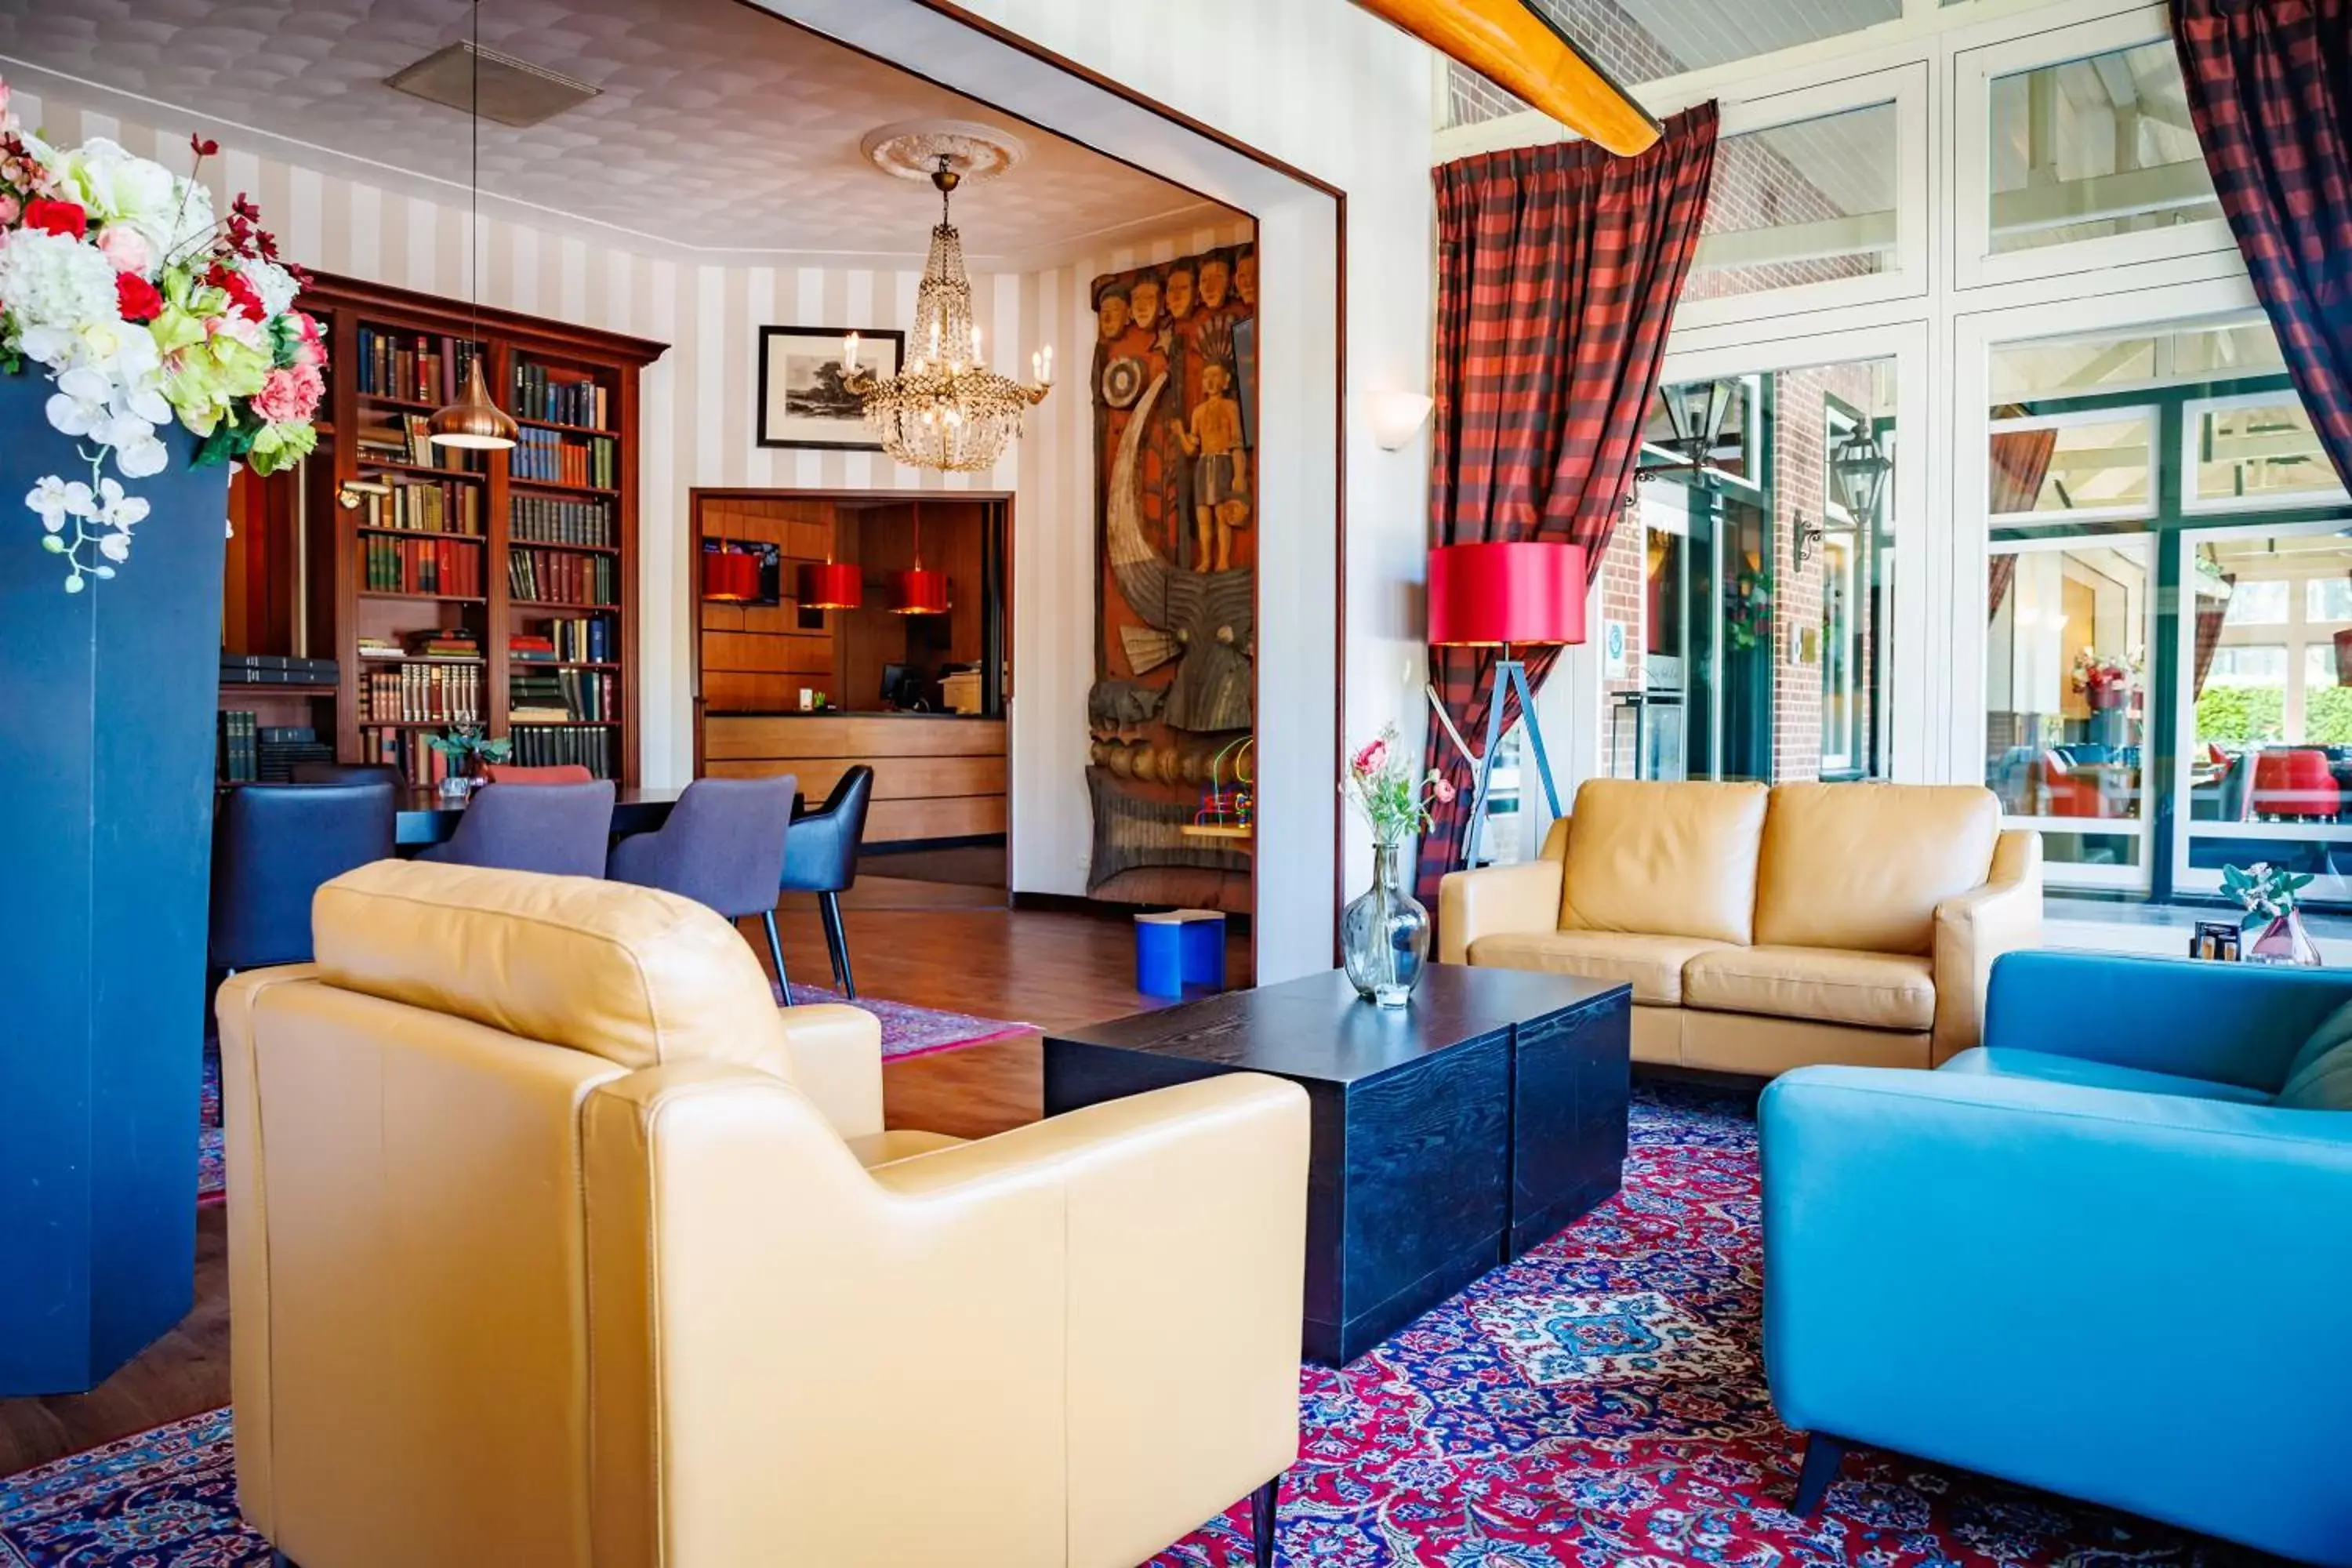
[[474, 421]]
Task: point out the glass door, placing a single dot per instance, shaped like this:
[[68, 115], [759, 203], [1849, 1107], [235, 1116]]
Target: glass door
[[2264, 768]]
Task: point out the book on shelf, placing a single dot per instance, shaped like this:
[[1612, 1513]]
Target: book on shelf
[[588, 639], [552, 520], [405, 439], [530, 649], [423, 693], [239, 752], [406, 752], [557, 577], [553, 457], [447, 643], [275, 669], [419, 505], [559, 397], [543, 694], [281, 746], [414, 367], [430, 566], [540, 745]]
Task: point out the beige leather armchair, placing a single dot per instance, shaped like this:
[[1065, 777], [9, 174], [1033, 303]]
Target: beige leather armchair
[[1765, 929], [553, 1243]]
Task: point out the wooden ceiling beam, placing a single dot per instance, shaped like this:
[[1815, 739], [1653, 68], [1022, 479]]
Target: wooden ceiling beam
[[1512, 46]]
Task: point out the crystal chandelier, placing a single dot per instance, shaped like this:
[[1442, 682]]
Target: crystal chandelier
[[946, 409]]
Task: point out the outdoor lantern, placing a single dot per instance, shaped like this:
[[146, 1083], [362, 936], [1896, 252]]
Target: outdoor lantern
[[1859, 468]]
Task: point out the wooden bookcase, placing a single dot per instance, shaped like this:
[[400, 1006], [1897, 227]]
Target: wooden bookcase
[[519, 540]]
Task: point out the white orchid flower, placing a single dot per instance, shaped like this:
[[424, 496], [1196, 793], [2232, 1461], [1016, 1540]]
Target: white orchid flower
[[117, 509], [79, 404], [51, 499], [121, 428], [140, 458], [115, 547], [80, 499]]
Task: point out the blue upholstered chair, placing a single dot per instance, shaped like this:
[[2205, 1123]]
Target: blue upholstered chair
[[561, 829], [722, 845], [2108, 1253], [273, 845], [821, 857]]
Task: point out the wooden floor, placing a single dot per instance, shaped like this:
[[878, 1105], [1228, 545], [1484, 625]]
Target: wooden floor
[[934, 944]]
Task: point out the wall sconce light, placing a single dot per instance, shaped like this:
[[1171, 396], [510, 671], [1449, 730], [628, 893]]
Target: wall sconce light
[[1809, 539], [1397, 416]]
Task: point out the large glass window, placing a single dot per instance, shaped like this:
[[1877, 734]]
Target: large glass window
[[2256, 451], [2089, 148], [1808, 203]]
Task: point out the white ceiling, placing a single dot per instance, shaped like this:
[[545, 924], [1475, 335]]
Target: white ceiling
[[720, 132]]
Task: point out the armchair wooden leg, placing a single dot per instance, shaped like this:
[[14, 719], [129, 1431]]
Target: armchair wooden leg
[[279, 1559], [776, 951], [837, 942], [1263, 1503], [1823, 1454]]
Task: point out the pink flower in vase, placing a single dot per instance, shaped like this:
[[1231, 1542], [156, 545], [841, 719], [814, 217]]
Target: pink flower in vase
[[10, 210], [289, 395], [1442, 792], [1371, 760]]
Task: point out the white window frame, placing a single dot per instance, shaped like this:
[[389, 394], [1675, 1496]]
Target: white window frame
[[1905, 87], [2192, 419], [1975, 263], [2141, 825], [2073, 419], [2188, 879]]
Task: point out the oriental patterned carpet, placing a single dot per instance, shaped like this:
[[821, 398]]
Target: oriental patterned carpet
[[1598, 1404]]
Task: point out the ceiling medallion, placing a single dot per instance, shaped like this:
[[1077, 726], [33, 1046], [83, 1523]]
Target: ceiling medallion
[[947, 409], [911, 148]]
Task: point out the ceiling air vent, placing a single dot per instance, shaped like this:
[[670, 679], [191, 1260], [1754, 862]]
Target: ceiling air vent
[[514, 92]]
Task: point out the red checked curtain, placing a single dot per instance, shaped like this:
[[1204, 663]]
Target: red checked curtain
[[1558, 271], [2021, 461], [2269, 89]]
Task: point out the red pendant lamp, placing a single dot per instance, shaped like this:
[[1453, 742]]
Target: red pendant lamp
[[729, 576], [834, 586], [915, 592]]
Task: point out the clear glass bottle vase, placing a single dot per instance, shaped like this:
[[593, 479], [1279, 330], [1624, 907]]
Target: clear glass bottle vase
[[1384, 934]]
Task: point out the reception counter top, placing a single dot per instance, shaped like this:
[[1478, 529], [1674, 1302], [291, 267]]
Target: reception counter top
[[936, 776]]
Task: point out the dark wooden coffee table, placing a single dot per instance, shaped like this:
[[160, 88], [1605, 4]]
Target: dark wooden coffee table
[[1448, 1136]]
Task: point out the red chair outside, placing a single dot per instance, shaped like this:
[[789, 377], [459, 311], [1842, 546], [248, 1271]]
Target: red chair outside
[[2295, 782], [515, 773], [2064, 793]]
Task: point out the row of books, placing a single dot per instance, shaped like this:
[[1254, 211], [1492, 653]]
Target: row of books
[[254, 752], [438, 692], [556, 745], [543, 694], [549, 519], [420, 506], [441, 566], [405, 439], [588, 639], [406, 752], [555, 577], [275, 669], [560, 399], [416, 367], [565, 460]]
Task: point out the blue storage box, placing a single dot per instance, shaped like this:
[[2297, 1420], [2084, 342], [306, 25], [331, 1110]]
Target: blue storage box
[[1180, 948]]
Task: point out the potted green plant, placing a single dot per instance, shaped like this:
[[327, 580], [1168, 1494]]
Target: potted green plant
[[466, 748], [2270, 893]]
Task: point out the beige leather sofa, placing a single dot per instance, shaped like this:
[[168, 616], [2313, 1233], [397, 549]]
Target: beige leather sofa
[[1764, 929], [551, 1243]]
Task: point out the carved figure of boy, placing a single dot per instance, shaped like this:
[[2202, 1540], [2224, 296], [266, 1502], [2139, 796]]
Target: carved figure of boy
[[1110, 317], [1213, 439], [1180, 293], [1245, 278], [1216, 280], [1143, 304]]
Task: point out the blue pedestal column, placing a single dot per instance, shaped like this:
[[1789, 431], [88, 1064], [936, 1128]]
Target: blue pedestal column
[[107, 702]]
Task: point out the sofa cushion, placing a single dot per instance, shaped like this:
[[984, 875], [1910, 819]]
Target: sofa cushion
[[633, 975], [2325, 1084], [1663, 858], [2049, 1066], [2333, 1030], [1652, 966], [1865, 864], [1874, 990]]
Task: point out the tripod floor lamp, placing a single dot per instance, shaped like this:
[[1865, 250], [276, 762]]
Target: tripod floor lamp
[[1506, 596]]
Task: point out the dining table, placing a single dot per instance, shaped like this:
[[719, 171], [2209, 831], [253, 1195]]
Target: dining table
[[425, 817]]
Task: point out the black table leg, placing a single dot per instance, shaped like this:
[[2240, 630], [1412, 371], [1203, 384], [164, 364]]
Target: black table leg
[[1263, 1504], [776, 951], [836, 941]]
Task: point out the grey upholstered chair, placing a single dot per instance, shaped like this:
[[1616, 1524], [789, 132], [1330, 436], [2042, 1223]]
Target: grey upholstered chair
[[347, 772], [560, 829], [723, 844]]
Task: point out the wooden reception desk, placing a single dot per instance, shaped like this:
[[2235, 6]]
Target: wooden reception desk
[[936, 776]]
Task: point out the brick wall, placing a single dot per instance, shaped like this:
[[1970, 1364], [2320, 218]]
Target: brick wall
[[1800, 473], [1624, 580]]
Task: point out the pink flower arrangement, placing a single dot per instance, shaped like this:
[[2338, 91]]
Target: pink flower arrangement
[[1392, 799], [290, 394]]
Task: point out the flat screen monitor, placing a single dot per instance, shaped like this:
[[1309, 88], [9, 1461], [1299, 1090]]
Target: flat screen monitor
[[894, 684]]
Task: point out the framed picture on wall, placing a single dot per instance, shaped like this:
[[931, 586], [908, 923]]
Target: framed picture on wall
[[801, 400]]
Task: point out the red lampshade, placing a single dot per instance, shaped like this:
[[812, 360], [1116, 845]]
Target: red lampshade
[[919, 593], [832, 587], [731, 576], [1496, 594]]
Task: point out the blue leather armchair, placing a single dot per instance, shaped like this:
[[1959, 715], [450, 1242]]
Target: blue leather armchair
[[2089, 1255]]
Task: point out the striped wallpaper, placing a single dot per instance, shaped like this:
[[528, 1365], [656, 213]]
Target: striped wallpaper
[[700, 409]]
